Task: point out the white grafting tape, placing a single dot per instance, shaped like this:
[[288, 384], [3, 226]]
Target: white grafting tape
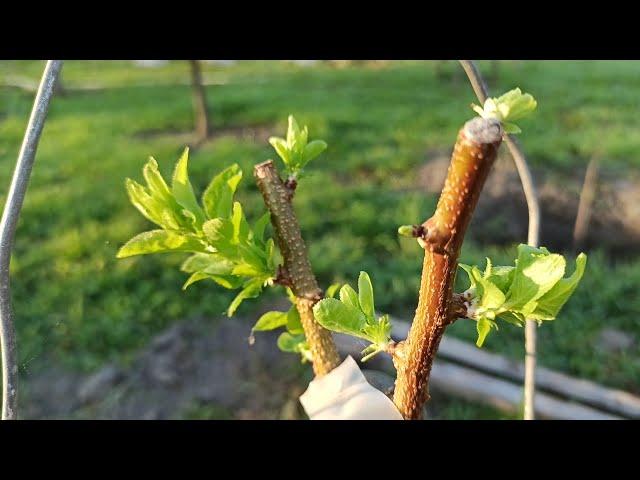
[[345, 394]]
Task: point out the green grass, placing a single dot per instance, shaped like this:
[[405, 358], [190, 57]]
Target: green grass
[[74, 300]]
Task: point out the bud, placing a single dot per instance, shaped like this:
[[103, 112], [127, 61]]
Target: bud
[[406, 231]]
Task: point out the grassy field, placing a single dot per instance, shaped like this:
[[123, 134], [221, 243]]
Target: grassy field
[[75, 302]]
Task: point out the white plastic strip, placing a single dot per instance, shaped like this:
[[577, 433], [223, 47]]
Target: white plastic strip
[[345, 394]]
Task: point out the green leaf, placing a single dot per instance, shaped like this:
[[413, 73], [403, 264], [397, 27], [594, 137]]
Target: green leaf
[[219, 233], [195, 277], [484, 327], [537, 271], [332, 290], [294, 325], [241, 228], [218, 196], [227, 281], [182, 189], [348, 296], [252, 289], [339, 317], [379, 332], [312, 150], [550, 304], [282, 149], [365, 295], [473, 273], [492, 297], [511, 128], [156, 184], [290, 343], [293, 132], [210, 263], [514, 318], [160, 241], [151, 208], [270, 321], [501, 277], [260, 226]]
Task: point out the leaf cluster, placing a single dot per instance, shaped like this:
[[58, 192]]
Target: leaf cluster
[[296, 151], [535, 289], [353, 313], [224, 247]]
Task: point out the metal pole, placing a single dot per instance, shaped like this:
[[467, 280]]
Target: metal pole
[[8, 224]]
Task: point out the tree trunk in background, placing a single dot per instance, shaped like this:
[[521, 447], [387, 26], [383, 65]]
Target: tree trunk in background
[[200, 111], [585, 207]]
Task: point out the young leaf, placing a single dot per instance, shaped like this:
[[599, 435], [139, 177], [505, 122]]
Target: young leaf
[[218, 196], [281, 148], [150, 207], [251, 289], [160, 241], [182, 189], [492, 297], [365, 295], [501, 277], [537, 271], [270, 321], [293, 131], [550, 303], [195, 277], [332, 290], [260, 226], [155, 182], [294, 325], [290, 343], [484, 327], [210, 263], [312, 150], [348, 296], [241, 228], [339, 317]]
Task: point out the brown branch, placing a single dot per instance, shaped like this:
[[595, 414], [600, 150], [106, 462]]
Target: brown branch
[[533, 236], [474, 154], [296, 268]]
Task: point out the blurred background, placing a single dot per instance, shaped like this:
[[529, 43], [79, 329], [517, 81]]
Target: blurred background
[[106, 338]]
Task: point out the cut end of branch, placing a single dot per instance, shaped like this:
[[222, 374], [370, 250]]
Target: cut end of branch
[[483, 130], [264, 169]]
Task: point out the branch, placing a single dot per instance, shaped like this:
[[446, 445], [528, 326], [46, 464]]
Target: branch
[[474, 154], [8, 224], [296, 268], [533, 236]]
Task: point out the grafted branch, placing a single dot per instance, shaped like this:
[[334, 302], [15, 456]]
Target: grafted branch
[[297, 268], [474, 154]]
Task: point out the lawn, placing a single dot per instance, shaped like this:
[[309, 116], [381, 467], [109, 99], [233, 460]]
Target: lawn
[[77, 304]]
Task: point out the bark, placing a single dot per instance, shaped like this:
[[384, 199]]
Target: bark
[[474, 154], [296, 271]]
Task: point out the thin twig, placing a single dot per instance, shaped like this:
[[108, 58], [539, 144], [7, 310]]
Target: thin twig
[[533, 236], [8, 224]]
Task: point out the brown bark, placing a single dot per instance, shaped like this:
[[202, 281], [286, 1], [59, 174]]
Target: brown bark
[[297, 268], [200, 110], [474, 154]]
